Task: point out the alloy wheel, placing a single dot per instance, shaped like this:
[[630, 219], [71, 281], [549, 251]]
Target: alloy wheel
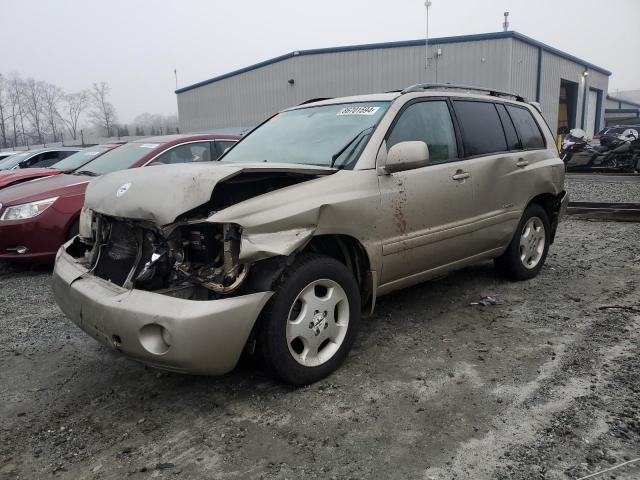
[[532, 242], [318, 322]]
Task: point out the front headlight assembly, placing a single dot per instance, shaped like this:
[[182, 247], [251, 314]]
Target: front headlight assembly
[[86, 223], [27, 210]]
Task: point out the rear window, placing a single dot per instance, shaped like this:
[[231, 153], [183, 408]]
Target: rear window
[[482, 131], [509, 129], [527, 128]]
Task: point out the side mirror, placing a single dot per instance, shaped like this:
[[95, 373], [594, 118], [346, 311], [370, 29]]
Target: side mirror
[[407, 156]]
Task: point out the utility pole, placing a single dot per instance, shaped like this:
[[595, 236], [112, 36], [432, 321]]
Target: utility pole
[[505, 25], [175, 73], [427, 4]]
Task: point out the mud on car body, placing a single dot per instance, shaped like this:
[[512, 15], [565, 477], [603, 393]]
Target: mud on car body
[[281, 246]]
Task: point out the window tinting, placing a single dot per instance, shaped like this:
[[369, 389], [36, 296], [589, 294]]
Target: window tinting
[[482, 131], [187, 153], [431, 123], [527, 127], [513, 143]]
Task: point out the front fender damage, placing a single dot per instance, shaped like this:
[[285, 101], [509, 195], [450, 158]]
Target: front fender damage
[[259, 246]]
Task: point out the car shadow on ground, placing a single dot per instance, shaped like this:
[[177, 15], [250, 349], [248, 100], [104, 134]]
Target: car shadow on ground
[[15, 268]]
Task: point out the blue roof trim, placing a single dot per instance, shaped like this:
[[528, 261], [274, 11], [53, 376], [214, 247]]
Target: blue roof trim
[[404, 43], [622, 100], [622, 110]]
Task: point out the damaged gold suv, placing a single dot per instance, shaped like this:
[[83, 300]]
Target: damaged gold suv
[[283, 244]]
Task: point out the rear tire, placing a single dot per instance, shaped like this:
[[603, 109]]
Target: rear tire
[[528, 249], [309, 325]]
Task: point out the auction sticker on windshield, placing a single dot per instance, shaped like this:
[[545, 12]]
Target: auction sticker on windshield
[[361, 110], [149, 145]]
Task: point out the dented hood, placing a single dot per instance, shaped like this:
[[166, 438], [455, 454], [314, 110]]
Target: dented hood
[[161, 193]]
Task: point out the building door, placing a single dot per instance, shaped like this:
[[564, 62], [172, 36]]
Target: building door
[[567, 105]]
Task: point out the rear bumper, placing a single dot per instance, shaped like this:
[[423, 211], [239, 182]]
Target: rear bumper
[[200, 337]]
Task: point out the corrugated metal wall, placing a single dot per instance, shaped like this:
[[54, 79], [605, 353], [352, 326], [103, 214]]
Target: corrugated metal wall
[[246, 99], [508, 64], [555, 68]]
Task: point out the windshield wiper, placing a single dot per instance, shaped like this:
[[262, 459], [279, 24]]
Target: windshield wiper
[[86, 172], [336, 155]]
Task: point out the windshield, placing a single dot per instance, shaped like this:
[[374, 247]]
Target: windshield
[[325, 135], [118, 159], [13, 160], [81, 158]]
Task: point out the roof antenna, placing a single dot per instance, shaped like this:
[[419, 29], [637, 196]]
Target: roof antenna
[[505, 24], [427, 4]]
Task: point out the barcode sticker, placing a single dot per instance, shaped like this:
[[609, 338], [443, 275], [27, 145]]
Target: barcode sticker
[[358, 110]]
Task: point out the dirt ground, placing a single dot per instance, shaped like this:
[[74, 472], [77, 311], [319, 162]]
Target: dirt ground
[[544, 385]]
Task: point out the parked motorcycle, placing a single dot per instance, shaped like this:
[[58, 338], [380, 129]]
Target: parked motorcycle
[[622, 154]]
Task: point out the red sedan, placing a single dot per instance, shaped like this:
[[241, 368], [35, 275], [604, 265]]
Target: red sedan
[[68, 165], [37, 217]]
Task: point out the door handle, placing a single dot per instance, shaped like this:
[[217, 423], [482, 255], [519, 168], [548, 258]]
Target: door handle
[[521, 163], [460, 175]]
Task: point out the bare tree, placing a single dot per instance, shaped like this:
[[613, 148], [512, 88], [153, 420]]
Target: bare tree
[[34, 101], [156, 123], [16, 104], [52, 96], [4, 110], [103, 112], [73, 105]]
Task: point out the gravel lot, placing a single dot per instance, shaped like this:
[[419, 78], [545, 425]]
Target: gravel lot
[[595, 188], [545, 385]]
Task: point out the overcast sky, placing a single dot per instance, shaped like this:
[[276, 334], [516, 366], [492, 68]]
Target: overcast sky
[[134, 45]]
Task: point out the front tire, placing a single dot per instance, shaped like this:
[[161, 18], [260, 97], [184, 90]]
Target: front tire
[[528, 249], [311, 322]]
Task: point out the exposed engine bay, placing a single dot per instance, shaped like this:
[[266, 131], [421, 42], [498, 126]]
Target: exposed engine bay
[[133, 254], [190, 258]]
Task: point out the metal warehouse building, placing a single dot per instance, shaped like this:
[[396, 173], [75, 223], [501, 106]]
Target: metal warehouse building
[[619, 111], [571, 91]]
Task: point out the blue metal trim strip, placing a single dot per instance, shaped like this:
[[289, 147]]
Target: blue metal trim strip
[[585, 97], [622, 110], [596, 127], [404, 43], [622, 100], [539, 75]]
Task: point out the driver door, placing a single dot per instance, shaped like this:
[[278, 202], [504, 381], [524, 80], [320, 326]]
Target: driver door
[[426, 211]]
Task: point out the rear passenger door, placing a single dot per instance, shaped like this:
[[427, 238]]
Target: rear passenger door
[[426, 211], [499, 162]]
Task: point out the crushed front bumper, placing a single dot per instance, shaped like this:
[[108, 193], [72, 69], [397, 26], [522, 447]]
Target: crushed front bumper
[[199, 337]]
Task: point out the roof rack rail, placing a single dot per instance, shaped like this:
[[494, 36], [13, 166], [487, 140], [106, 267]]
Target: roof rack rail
[[442, 86]]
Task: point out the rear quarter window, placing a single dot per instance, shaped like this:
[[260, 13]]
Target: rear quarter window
[[527, 128], [482, 131]]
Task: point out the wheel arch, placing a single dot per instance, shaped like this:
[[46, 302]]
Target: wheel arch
[[344, 248], [551, 204], [350, 252]]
